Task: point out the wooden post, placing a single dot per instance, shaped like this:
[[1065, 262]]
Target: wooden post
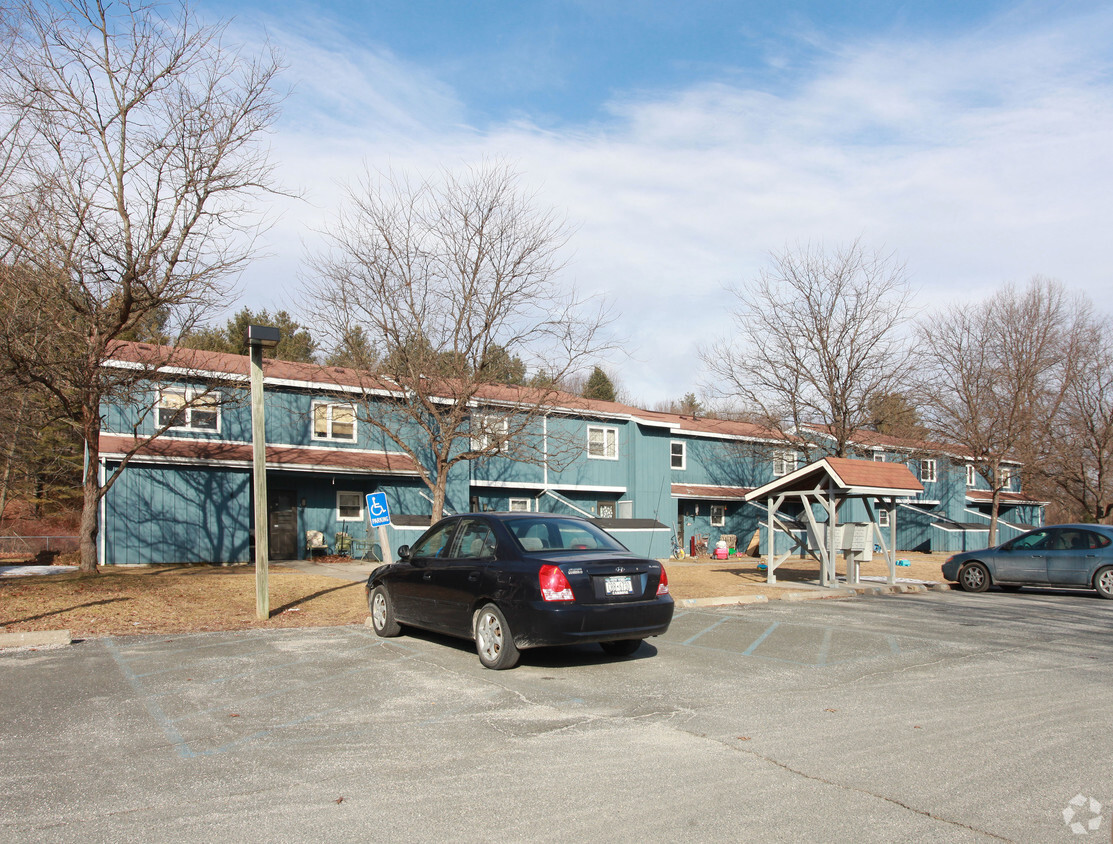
[[259, 485]]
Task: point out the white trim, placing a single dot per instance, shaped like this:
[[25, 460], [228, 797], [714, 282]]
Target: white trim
[[154, 459], [329, 437], [543, 486]]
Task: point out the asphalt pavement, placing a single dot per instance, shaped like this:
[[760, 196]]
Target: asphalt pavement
[[920, 717]]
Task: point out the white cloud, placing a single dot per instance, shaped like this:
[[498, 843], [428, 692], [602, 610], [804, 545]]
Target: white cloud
[[978, 160]]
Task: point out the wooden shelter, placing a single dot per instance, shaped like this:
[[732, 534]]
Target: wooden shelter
[[827, 485]]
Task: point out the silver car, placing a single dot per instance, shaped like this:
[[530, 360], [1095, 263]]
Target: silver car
[[1058, 555]]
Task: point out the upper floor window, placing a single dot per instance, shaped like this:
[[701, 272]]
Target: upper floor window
[[971, 475], [489, 432], [334, 422], [1006, 475], [784, 463], [188, 408], [927, 469], [602, 442], [679, 455], [879, 457]]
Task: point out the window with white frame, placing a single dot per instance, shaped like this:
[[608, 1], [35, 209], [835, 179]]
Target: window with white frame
[[784, 463], [678, 454], [879, 457], [1006, 476], [349, 506], [519, 505], [882, 515], [927, 469], [718, 515], [971, 475], [489, 432], [602, 443], [195, 410], [334, 422]]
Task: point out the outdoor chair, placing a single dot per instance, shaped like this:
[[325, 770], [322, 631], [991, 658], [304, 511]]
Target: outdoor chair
[[343, 544], [315, 542]]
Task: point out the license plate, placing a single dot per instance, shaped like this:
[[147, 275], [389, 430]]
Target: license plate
[[618, 585]]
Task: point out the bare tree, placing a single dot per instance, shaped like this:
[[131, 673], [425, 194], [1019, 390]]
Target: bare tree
[[996, 375], [816, 337], [133, 154], [1077, 462], [450, 278]]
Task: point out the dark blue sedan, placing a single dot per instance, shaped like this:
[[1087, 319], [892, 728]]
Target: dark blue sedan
[[1057, 555], [511, 581]]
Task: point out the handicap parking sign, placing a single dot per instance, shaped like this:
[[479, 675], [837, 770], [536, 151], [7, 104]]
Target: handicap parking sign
[[377, 510]]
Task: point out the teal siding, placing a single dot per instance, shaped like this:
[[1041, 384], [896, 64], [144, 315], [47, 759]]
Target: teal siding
[[178, 515]]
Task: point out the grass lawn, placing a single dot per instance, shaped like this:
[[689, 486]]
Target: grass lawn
[[174, 599], [182, 598]]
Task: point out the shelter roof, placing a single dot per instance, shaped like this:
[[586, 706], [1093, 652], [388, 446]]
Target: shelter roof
[[709, 492], [985, 496], [844, 476]]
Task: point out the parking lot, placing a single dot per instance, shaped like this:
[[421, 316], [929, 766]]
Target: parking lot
[[931, 717]]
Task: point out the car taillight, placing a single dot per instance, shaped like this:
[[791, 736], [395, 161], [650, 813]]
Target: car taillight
[[663, 584], [554, 585]]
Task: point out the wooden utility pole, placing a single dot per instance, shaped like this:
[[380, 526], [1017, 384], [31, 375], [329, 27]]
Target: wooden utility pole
[[260, 337]]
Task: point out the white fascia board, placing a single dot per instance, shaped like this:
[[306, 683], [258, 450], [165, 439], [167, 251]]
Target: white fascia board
[[541, 487], [272, 444], [150, 459]]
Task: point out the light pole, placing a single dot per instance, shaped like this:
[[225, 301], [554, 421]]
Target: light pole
[[260, 337]]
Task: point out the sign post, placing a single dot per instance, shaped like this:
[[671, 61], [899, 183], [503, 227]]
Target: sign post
[[378, 513]]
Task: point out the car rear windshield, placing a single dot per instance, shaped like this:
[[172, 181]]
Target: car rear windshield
[[543, 534]]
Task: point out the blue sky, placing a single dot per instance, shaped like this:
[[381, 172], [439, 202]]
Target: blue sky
[[686, 141]]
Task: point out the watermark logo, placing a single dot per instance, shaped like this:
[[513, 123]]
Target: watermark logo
[[1083, 815]]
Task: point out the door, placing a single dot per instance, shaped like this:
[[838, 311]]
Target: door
[[459, 579], [1073, 557], [1024, 559], [282, 524]]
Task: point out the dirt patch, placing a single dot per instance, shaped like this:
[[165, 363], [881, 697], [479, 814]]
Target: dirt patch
[[174, 599]]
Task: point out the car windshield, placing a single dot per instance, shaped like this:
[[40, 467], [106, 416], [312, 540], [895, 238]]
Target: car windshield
[[543, 534]]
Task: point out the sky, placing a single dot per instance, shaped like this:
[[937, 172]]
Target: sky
[[685, 143]]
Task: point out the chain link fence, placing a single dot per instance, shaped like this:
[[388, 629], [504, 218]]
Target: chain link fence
[[39, 547]]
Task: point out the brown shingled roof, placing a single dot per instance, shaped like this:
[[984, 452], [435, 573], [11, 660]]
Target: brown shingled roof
[[702, 491], [201, 450]]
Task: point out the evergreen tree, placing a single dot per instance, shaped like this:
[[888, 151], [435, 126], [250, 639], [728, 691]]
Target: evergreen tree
[[599, 387]]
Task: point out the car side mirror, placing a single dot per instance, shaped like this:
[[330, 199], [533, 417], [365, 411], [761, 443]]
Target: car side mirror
[[404, 553]]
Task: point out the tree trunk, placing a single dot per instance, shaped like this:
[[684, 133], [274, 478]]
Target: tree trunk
[[994, 507], [90, 499], [438, 495]]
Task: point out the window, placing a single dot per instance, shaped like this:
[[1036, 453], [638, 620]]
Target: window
[[334, 422], [433, 544], [718, 515], [882, 516], [679, 455], [784, 463], [349, 506], [489, 432], [971, 475], [181, 408], [519, 505], [927, 469], [1006, 476], [602, 443], [474, 541], [879, 457], [605, 509]]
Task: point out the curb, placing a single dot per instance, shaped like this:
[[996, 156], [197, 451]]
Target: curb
[[35, 639], [817, 594]]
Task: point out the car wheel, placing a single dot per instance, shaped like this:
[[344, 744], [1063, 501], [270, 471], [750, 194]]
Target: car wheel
[[1103, 582], [382, 613], [623, 647], [493, 640], [974, 577]]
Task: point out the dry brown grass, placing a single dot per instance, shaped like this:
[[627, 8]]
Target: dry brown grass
[[174, 599], [178, 599]]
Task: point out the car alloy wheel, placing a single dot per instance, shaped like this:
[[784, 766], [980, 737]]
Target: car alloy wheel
[[493, 641], [974, 577], [382, 614], [1103, 582]]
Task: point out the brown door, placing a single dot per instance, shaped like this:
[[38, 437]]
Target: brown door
[[282, 524]]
